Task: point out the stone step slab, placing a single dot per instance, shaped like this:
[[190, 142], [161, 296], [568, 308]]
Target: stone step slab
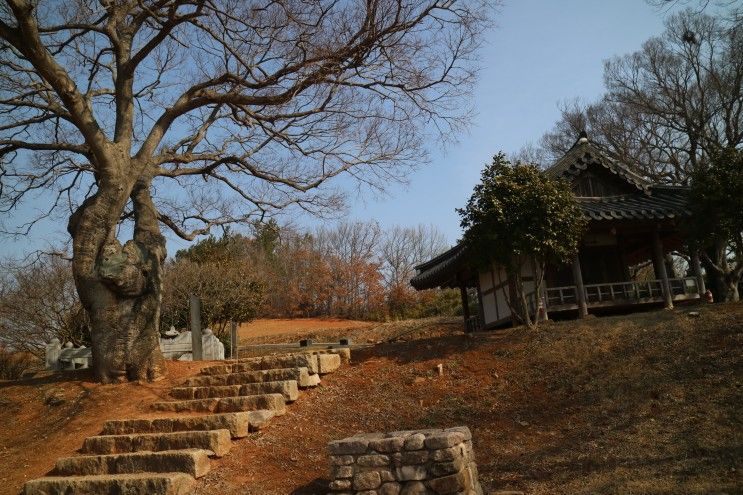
[[287, 388], [129, 484], [301, 375], [217, 441], [328, 363], [237, 423], [260, 418], [308, 361], [273, 402], [193, 462]]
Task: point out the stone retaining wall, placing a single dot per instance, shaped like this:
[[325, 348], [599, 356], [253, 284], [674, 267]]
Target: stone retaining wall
[[419, 462]]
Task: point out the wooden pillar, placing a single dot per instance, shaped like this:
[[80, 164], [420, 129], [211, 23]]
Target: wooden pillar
[[660, 268], [696, 268], [465, 305], [196, 348], [579, 288], [480, 308], [541, 295]]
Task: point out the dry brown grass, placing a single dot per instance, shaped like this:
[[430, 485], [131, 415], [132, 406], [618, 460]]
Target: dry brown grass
[[640, 404]]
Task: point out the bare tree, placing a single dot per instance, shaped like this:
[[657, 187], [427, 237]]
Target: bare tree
[[249, 105], [38, 302], [402, 248], [668, 106]]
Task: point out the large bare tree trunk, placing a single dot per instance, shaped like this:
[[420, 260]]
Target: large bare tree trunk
[[722, 278], [120, 286]]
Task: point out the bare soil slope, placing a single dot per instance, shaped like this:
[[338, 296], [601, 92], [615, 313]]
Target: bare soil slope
[[647, 403], [642, 404]]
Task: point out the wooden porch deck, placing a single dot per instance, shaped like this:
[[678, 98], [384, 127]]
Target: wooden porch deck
[[620, 294]]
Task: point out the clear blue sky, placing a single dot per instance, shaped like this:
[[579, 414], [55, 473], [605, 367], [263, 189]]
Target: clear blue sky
[[540, 53]]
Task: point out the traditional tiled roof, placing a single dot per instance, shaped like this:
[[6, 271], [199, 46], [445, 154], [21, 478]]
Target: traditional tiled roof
[[583, 154], [660, 202], [440, 271]]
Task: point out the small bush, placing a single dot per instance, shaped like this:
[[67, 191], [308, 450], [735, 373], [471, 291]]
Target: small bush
[[14, 364]]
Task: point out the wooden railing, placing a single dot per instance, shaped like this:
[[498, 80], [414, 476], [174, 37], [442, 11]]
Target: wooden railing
[[620, 292]]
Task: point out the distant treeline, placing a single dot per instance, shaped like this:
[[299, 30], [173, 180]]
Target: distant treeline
[[350, 270]]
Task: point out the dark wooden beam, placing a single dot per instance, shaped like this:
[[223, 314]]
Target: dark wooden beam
[[465, 303]]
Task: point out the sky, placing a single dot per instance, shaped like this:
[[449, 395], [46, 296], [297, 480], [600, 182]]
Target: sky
[[540, 53]]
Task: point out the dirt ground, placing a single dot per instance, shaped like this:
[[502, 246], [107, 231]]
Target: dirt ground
[[297, 328], [642, 404]]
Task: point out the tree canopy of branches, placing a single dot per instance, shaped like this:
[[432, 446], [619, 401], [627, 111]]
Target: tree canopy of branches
[[716, 199], [38, 303], [669, 106], [517, 216], [198, 113]]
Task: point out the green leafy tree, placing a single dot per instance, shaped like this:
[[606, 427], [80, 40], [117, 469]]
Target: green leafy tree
[[517, 215], [716, 200], [228, 292]]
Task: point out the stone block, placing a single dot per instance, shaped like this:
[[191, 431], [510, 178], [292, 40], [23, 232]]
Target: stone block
[[386, 475], [389, 489], [193, 462], [445, 468], [448, 454], [393, 444], [274, 402], [444, 439], [342, 472], [140, 483], [217, 441], [373, 460], [327, 363], [237, 423], [366, 481], [447, 485], [414, 441], [407, 473], [414, 488], [260, 418], [352, 445], [414, 457], [340, 484]]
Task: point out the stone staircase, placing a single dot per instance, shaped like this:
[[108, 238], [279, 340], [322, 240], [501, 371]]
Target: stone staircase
[[165, 455]]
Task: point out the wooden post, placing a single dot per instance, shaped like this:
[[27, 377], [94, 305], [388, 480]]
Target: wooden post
[[580, 289], [233, 340], [465, 305], [696, 267], [542, 293], [196, 351], [480, 309], [660, 268]]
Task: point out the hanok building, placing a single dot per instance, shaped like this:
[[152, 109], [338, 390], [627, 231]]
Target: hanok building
[[630, 222]]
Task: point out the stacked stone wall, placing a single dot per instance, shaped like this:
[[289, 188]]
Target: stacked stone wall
[[422, 462]]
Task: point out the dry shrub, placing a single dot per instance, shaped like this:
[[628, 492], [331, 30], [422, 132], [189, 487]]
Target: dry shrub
[[14, 364]]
